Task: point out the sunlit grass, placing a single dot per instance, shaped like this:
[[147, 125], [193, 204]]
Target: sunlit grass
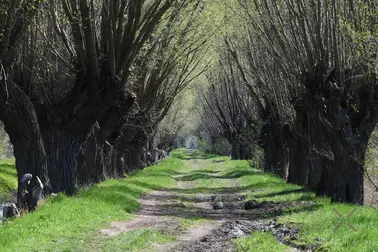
[[317, 223], [320, 228], [66, 223], [72, 223], [128, 241], [259, 242], [8, 180]]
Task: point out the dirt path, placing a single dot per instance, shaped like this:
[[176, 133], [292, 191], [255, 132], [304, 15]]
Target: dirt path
[[219, 212]]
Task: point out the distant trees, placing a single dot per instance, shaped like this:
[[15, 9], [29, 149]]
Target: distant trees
[[228, 110], [93, 81]]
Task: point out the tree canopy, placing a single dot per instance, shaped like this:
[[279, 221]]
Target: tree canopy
[[92, 89]]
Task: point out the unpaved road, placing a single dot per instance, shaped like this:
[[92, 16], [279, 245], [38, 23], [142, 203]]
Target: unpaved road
[[220, 211]]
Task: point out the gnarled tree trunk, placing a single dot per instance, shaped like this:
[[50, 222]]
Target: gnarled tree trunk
[[19, 117]]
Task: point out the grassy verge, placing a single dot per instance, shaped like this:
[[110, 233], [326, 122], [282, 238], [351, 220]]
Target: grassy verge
[[71, 223], [319, 224], [8, 180]]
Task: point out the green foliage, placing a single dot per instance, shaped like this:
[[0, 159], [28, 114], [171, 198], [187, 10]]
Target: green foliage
[[363, 31], [220, 147]]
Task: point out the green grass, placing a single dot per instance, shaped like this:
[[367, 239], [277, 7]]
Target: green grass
[[320, 225], [317, 222], [8, 180], [185, 154], [70, 223], [259, 242], [128, 241]]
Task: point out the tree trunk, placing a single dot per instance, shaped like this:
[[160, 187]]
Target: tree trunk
[[235, 150], [62, 147], [342, 178], [79, 158], [273, 140], [19, 117], [299, 166]]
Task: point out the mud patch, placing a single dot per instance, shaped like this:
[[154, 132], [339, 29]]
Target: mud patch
[[220, 239]]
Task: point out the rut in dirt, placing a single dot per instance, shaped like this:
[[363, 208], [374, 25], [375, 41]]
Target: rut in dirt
[[225, 212]]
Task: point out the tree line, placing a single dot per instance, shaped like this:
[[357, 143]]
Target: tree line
[[305, 71], [85, 84], [89, 87]]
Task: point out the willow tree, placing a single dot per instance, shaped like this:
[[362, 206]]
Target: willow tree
[[228, 111], [74, 67], [167, 64], [16, 108], [318, 92]]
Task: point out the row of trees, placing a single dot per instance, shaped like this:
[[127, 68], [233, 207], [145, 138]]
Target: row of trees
[[85, 84], [228, 110], [310, 67]]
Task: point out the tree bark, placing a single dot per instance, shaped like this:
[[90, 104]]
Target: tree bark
[[62, 147], [19, 117]]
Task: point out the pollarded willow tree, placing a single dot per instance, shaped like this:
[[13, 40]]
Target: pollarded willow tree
[[167, 65], [75, 69], [16, 108], [228, 111], [313, 65]]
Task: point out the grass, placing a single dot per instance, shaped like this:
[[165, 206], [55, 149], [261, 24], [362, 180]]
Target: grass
[[70, 223], [8, 180], [185, 154], [320, 225], [259, 242], [317, 222], [129, 241]]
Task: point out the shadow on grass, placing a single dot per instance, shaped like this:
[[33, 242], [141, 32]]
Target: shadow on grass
[[201, 207], [285, 192], [125, 196], [234, 189], [191, 154], [208, 174], [195, 176]]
